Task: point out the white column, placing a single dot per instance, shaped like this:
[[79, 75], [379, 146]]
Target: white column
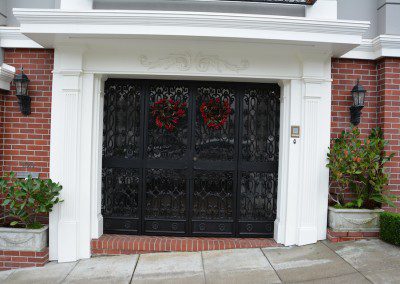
[[76, 4], [322, 9], [70, 149]]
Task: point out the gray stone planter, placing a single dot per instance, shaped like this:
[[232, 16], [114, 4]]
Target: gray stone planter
[[23, 239], [355, 220]]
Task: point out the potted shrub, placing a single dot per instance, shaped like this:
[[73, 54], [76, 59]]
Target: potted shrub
[[357, 167], [24, 200]]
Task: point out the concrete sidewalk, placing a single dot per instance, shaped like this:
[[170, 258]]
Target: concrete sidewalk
[[366, 261]]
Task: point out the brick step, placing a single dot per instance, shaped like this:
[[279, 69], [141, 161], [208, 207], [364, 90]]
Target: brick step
[[126, 244], [337, 237]]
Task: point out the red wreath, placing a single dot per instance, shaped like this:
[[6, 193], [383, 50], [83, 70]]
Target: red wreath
[[167, 113], [215, 113]]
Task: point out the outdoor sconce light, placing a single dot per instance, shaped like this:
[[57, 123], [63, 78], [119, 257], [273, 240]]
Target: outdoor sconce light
[[358, 93], [21, 82]]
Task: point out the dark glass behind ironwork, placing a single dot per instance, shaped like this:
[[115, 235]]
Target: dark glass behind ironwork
[[163, 144], [165, 194], [260, 125], [258, 196], [120, 192], [215, 144], [213, 195], [121, 120]]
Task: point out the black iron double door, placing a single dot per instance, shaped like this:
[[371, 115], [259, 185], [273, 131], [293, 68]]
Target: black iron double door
[[190, 158]]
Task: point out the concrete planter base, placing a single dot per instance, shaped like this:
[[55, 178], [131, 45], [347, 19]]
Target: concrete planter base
[[17, 239], [354, 220]]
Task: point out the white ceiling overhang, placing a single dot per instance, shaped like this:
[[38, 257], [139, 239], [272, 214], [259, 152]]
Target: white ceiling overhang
[[51, 27]]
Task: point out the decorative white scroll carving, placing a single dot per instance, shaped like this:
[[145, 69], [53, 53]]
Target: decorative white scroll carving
[[186, 61]]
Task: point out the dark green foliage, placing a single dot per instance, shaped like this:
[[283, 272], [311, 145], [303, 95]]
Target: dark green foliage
[[25, 199], [390, 227], [358, 165]]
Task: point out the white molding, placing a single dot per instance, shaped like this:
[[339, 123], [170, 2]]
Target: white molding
[[11, 37], [7, 73], [51, 26], [381, 46]]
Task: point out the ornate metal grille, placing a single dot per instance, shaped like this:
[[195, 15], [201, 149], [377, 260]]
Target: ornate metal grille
[[192, 179]]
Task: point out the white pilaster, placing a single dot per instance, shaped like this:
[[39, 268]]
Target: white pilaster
[[314, 177], [322, 9], [97, 134], [76, 4], [289, 163], [69, 223]]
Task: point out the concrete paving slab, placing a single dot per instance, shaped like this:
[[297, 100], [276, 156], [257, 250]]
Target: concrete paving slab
[[354, 278], [104, 269], [238, 266], [51, 273], [5, 274], [180, 267], [390, 276], [369, 255], [305, 263]]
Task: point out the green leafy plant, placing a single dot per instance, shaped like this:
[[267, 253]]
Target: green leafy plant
[[390, 227], [25, 199], [358, 165]]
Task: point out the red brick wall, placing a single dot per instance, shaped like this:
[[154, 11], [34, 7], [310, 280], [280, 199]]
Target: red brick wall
[[26, 139], [382, 104], [389, 117], [345, 73], [21, 259]]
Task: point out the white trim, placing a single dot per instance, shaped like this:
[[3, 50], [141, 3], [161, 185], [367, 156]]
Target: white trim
[[51, 26], [11, 37], [7, 73], [381, 46]]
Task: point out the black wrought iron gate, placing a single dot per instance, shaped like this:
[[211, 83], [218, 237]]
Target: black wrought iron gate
[[190, 158]]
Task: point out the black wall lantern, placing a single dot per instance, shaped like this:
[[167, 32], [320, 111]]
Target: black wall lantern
[[21, 82], [358, 93]]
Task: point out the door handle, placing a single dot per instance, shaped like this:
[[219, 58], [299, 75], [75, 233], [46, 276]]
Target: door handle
[[194, 159]]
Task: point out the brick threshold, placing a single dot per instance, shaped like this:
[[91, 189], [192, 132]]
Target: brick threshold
[[127, 244]]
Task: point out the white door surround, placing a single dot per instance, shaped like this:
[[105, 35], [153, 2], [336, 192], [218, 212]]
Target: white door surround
[[83, 60]]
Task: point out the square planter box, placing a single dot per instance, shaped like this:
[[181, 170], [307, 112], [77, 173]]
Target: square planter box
[[354, 220], [23, 239]]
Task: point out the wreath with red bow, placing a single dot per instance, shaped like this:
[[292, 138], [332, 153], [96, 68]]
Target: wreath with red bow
[[215, 113], [167, 113]]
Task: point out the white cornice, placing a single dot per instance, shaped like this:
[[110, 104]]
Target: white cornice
[[11, 37], [6, 76], [48, 26], [381, 46]]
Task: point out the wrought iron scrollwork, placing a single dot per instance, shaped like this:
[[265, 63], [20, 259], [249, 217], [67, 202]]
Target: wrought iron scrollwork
[[257, 196], [197, 178], [121, 120], [120, 192], [215, 144], [260, 141], [165, 194], [163, 144], [213, 195]]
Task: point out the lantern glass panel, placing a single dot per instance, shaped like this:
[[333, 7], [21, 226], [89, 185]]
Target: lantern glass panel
[[24, 88], [358, 98]]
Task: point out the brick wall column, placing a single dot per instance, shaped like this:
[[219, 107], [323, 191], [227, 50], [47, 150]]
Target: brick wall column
[[389, 118]]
